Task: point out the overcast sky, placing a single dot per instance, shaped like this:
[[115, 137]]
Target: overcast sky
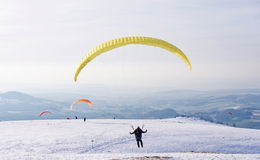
[[43, 41]]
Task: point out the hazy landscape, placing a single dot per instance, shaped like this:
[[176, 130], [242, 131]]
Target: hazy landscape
[[239, 108]]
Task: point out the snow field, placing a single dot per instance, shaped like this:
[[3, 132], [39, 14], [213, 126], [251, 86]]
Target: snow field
[[178, 138]]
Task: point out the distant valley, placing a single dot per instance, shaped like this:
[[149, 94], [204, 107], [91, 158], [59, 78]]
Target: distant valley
[[239, 108]]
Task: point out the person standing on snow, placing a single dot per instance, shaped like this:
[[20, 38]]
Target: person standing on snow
[[138, 135]]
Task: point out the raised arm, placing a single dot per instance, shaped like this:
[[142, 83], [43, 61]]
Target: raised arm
[[144, 131]]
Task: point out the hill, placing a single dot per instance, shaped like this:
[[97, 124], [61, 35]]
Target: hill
[[240, 108], [20, 106]]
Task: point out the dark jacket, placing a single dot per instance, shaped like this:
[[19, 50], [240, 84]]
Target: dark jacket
[[138, 133]]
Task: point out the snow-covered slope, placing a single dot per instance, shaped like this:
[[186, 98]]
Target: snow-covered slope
[[108, 138]]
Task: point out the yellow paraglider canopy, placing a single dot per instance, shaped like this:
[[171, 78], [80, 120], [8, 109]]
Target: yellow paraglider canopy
[[119, 42]]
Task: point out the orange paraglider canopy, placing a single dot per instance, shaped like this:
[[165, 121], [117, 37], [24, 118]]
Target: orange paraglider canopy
[[81, 100], [44, 112]]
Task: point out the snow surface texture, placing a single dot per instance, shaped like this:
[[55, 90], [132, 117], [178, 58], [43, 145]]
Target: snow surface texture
[[178, 138]]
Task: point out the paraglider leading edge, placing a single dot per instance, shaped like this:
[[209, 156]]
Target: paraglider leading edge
[[119, 42]]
